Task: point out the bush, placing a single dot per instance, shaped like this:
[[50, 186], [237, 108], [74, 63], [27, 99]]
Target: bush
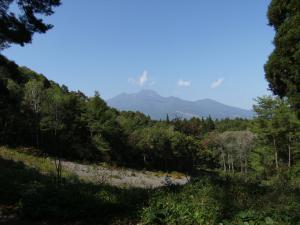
[[193, 204], [252, 218]]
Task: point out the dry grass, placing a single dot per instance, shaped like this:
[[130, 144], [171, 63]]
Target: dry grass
[[42, 164]]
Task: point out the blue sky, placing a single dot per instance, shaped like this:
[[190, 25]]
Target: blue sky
[[192, 49]]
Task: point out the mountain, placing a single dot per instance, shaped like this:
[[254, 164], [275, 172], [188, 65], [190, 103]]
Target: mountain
[[157, 107]]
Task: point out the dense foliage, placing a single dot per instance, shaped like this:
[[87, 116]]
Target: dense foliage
[[225, 200], [283, 67]]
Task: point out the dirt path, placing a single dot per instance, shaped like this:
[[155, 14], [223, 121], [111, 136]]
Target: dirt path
[[123, 177]]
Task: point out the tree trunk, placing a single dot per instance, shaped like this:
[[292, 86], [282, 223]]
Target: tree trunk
[[290, 154], [37, 130], [275, 153], [246, 165], [241, 163], [224, 162], [144, 158], [37, 139], [228, 162], [232, 165], [57, 160]]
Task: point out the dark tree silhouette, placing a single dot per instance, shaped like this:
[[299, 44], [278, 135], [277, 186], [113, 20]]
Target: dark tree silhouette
[[283, 67], [18, 26]]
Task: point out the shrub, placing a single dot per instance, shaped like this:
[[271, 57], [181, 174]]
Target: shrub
[[192, 204]]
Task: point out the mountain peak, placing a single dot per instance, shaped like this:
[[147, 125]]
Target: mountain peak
[[148, 93]]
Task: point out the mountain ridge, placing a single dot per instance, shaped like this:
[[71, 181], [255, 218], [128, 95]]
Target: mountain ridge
[[157, 107]]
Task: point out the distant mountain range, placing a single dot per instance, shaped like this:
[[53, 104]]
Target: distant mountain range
[[157, 107]]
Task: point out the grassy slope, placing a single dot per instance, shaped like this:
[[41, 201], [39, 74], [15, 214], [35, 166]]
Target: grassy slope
[[42, 164], [28, 191]]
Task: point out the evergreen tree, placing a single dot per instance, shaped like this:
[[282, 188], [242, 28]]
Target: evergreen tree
[[266, 124], [19, 29], [283, 66]]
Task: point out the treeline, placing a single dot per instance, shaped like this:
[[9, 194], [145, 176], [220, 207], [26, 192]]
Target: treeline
[[35, 111]]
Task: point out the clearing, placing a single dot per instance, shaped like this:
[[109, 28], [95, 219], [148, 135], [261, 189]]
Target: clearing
[[101, 174]]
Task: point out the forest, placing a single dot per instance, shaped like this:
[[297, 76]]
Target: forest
[[241, 171]]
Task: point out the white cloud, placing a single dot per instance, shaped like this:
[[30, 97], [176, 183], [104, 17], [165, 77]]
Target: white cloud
[[141, 80], [184, 83], [217, 83]]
